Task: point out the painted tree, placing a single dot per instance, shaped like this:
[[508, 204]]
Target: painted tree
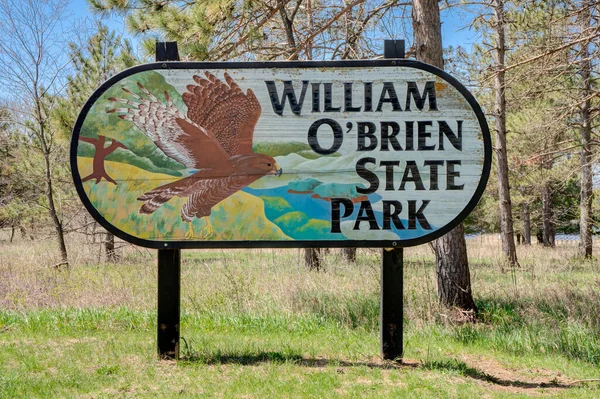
[[104, 54], [33, 59], [452, 264]]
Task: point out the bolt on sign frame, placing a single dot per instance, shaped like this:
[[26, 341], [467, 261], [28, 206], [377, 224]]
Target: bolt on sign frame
[[385, 153]]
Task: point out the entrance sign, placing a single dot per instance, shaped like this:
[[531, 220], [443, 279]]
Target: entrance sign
[[296, 154]]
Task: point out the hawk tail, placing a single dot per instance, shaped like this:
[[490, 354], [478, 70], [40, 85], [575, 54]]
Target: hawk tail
[[155, 198]]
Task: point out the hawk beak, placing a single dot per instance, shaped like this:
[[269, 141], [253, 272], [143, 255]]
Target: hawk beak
[[278, 170]]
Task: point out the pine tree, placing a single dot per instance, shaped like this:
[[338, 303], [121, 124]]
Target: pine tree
[[452, 264], [586, 196]]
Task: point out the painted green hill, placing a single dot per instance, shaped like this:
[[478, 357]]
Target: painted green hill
[[301, 227], [278, 149], [304, 185], [276, 207], [337, 190]]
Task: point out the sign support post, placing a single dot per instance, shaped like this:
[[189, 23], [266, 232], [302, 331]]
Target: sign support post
[[169, 267], [169, 293], [392, 271]]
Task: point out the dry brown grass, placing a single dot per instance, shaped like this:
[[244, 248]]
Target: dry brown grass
[[265, 279]]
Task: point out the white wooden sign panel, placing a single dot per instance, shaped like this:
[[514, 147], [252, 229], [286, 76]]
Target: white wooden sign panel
[[378, 153]]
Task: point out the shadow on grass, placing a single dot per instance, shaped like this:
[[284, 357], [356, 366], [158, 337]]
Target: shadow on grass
[[288, 356], [251, 358], [243, 358], [472, 372]]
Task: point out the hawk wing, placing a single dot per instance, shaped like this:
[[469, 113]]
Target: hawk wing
[[176, 135], [225, 111]]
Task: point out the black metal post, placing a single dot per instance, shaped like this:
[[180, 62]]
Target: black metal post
[[166, 51], [169, 300], [392, 271], [169, 267], [393, 49], [392, 303]]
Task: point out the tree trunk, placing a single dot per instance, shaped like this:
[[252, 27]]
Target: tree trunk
[[547, 215], [349, 254], [288, 25], [509, 250], [46, 153], [526, 224], [312, 258], [94, 227], [427, 32], [453, 277], [585, 204], [109, 248], [60, 235], [452, 265], [311, 28], [540, 237]]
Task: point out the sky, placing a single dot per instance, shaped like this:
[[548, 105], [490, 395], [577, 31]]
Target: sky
[[454, 21], [80, 10]]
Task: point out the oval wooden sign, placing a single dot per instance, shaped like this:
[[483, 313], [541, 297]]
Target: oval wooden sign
[[272, 154]]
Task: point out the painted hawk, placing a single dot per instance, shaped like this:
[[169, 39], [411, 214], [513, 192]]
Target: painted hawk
[[214, 139]]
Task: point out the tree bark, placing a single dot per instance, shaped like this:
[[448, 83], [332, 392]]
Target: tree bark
[[547, 216], [452, 264], [311, 28], [526, 224], [109, 248], [60, 234], [46, 152], [288, 25], [349, 254], [453, 277], [586, 193], [312, 258], [509, 250], [427, 32]]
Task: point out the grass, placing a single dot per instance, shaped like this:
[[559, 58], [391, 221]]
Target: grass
[[256, 324]]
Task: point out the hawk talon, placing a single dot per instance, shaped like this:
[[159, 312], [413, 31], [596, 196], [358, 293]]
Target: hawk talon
[[189, 235], [208, 232]]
